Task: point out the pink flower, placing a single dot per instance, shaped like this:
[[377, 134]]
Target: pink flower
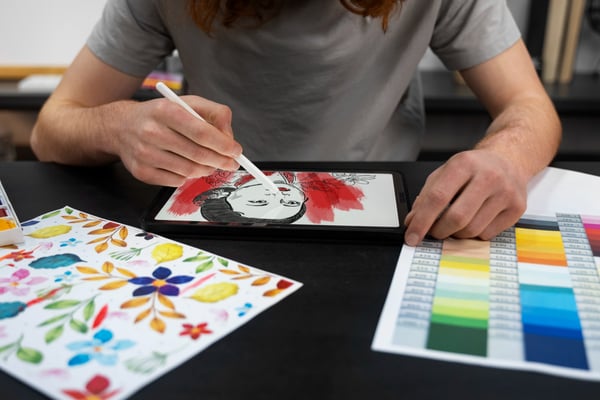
[[17, 285]]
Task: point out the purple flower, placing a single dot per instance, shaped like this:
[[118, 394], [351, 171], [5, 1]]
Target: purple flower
[[159, 281]]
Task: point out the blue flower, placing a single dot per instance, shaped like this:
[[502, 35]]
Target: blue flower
[[100, 349], [67, 276], [244, 309], [159, 281], [72, 242]]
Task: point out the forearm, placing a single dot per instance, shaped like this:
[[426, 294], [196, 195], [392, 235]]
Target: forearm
[[71, 134], [527, 134]]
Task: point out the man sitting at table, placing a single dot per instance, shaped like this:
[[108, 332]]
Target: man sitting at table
[[308, 80]]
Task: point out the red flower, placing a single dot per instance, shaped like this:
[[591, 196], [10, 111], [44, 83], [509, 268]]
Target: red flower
[[18, 255], [195, 331], [95, 389]]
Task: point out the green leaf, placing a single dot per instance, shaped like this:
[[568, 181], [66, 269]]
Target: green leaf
[[205, 266], [198, 257], [54, 334], [223, 261], [126, 255], [29, 355], [88, 310], [54, 319], [78, 326], [51, 214], [7, 347], [57, 305]]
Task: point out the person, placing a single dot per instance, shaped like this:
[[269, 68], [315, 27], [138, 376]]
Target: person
[[308, 80]]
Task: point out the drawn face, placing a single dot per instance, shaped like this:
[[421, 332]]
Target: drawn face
[[254, 200]]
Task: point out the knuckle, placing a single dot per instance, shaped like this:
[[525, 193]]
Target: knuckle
[[469, 231], [198, 153], [437, 197], [456, 218], [140, 151], [225, 112]]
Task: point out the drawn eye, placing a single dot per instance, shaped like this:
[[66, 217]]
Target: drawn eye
[[291, 203], [257, 203]]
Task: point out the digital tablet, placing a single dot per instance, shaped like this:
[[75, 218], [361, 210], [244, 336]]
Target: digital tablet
[[314, 204]]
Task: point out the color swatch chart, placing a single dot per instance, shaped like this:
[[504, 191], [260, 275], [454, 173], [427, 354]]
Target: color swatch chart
[[528, 299]]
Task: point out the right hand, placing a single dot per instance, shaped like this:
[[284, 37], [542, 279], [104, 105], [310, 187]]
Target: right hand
[[164, 144]]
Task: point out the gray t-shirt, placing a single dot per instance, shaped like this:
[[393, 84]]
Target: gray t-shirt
[[316, 83]]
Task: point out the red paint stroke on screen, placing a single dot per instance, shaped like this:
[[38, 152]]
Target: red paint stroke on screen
[[324, 192]]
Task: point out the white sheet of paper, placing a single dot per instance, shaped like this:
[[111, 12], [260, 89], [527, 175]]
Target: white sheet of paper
[[91, 307]]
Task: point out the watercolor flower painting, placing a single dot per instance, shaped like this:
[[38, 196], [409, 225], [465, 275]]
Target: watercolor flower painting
[[83, 294]]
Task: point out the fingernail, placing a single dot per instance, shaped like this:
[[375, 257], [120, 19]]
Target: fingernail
[[411, 239]]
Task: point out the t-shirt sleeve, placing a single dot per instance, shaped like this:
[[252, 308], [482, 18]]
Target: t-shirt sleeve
[[131, 37], [469, 32]]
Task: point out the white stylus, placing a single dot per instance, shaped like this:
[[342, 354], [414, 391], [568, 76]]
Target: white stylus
[[242, 160]]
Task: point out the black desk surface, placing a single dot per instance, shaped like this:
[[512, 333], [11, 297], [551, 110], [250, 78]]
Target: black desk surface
[[314, 344]]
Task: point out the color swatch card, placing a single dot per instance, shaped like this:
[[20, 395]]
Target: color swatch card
[[91, 308], [10, 229], [528, 299]]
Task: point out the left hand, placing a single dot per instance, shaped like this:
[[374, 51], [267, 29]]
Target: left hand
[[475, 194]]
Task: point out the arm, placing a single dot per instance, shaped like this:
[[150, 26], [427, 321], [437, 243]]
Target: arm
[[89, 119], [480, 192]]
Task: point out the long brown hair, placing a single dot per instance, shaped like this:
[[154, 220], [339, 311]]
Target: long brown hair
[[205, 12]]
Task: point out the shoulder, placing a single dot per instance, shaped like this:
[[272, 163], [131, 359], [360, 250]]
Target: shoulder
[[468, 32]]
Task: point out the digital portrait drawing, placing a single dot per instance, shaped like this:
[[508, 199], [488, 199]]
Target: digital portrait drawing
[[307, 198]]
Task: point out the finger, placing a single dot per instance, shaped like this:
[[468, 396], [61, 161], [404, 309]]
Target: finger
[[199, 155], [460, 214], [479, 221], [214, 113], [152, 160], [504, 220], [439, 190], [198, 131]]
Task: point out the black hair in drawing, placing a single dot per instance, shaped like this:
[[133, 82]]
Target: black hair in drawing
[[215, 208]]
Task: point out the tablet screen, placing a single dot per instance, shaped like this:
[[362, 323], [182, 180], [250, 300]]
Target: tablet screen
[[308, 199]]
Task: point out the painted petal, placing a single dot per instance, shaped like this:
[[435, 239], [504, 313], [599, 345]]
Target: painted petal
[[77, 346], [20, 274], [79, 359], [169, 290], [106, 359], [103, 335], [161, 273], [144, 290], [180, 279], [19, 291], [75, 394], [36, 280], [142, 280], [11, 309], [123, 345], [97, 384]]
